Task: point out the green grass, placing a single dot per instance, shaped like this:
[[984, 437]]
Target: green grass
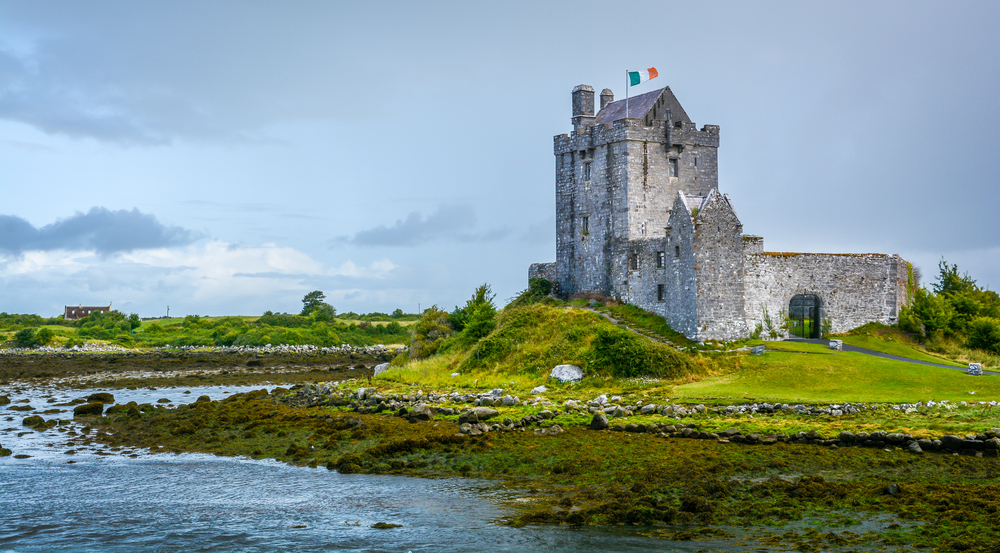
[[823, 376], [895, 348]]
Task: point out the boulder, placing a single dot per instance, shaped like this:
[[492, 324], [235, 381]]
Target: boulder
[[599, 422], [914, 447], [93, 408], [567, 373], [647, 409], [539, 390], [509, 401], [421, 413], [103, 397], [477, 414], [361, 393], [202, 399], [952, 442], [847, 437], [381, 368]]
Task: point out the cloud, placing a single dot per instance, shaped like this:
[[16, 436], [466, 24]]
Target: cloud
[[207, 276], [100, 230], [448, 220]]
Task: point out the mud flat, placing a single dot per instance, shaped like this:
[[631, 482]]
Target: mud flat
[[184, 368]]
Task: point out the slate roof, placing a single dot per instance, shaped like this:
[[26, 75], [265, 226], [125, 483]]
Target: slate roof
[[639, 107]]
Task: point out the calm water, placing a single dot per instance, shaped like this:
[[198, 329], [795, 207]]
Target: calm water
[[202, 503]]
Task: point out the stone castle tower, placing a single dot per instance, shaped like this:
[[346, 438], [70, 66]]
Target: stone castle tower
[[639, 217]]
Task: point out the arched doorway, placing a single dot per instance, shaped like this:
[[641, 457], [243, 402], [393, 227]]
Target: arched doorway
[[804, 313]]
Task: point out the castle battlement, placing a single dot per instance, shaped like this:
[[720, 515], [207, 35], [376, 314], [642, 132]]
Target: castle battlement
[[639, 217]]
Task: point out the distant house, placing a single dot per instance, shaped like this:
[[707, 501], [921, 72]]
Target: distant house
[[79, 312]]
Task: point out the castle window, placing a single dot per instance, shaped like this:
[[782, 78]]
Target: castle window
[[695, 161], [661, 292], [672, 169], [586, 224], [633, 262], [661, 258], [586, 171], [677, 251]]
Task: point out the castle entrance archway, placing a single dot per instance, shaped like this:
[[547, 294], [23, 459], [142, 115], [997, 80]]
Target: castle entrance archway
[[804, 313]]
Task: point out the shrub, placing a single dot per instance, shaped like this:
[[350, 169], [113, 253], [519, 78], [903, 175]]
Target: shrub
[[25, 338], [984, 333], [626, 354], [430, 331]]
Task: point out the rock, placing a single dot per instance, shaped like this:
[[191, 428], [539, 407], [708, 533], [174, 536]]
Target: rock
[[847, 437], [453, 375], [952, 442], [893, 489], [915, 448], [599, 422], [486, 402], [5, 452], [567, 373], [539, 390], [509, 401], [647, 409], [202, 399], [361, 393], [728, 433], [546, 414], [103, 397], [38, 423], [601, 399], [477, 414], [4, 400], [93, 408], [421, 413], [381, 368]]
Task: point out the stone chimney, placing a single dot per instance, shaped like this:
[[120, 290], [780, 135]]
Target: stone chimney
[[607, 97], [583, 106]]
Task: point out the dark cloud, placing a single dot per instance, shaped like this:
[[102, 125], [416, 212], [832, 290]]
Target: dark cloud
[[448, 221], [100, 229]]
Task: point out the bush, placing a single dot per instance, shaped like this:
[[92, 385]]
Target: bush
[[625, 354], [430, 331], [984, 333], [25, 338]]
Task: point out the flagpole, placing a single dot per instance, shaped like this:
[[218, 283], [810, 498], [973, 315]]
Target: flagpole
[[626, 93]]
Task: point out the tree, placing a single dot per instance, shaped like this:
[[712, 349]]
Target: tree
[[311, 301], [323, 312], [134, 321], [478, 317], [397, 313]]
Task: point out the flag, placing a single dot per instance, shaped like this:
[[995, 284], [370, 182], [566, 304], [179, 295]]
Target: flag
[[636, 77]]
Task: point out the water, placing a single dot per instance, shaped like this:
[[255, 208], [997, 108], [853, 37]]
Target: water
[[102, 500]]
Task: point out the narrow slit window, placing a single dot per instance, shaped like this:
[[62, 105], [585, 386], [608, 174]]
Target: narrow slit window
[[677, 251], [586, 224], [661, 292], [672, 168], [660, 259], [586, 171], [633, 261]]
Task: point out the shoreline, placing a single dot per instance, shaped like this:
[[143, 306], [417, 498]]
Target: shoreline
[[570, 475]]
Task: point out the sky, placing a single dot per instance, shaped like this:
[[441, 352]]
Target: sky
[[226, 158]]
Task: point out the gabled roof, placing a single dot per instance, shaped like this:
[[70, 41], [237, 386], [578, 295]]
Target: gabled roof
[[649, 106]]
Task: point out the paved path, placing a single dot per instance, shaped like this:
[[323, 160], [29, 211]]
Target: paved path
[[881, 354]]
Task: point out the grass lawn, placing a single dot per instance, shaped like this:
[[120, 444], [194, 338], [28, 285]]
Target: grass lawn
[[823, 376], [895, 348]]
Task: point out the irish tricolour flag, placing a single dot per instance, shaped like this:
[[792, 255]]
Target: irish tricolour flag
[[636, 77]]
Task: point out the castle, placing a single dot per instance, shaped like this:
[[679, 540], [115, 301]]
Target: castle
[[639, 217]]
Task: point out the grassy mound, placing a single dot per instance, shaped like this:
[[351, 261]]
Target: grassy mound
[[529, 340]]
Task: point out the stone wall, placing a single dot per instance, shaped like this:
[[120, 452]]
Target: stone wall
[[680, 307], [853, 289], [718, 267]]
